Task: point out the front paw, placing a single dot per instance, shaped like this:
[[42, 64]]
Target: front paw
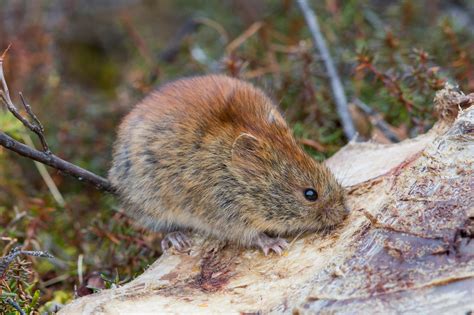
[[267, 244]]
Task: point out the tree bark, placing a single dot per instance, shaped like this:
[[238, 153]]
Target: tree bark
[[406, 247]]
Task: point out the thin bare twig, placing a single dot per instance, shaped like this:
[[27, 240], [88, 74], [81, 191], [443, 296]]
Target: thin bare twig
[[336, 85], [215, 26], [45, 156], [55, 162], [137, 39], [170, 53], [313, 144], [191, 26], [7, 260], [15, 305], [249, 32], [37, 127], [377, 120], [34, 126]]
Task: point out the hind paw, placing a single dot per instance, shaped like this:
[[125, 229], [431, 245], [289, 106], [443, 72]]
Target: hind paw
[[178, 240]]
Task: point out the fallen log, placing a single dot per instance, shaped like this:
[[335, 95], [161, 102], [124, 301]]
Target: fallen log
[[406, 247]]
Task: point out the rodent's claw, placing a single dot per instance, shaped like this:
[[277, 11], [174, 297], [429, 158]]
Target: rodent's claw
[[178, 240], [267, 243]]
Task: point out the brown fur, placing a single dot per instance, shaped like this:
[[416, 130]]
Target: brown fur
[[214, 155]]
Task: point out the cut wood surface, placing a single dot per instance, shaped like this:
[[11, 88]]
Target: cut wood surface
[[407, 246]]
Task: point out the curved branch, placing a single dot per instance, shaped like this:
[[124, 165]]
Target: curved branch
[[45, 156], [55, 162]]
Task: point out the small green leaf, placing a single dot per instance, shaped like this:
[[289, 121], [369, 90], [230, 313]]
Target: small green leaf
[[35, 299]]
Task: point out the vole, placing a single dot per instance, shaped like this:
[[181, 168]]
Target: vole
[[214, 155]]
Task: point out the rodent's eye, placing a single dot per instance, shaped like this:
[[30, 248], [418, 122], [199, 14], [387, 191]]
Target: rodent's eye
[[310, 194]]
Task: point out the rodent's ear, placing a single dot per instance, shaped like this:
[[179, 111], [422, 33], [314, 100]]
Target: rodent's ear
[[245, 143], [245, 149]]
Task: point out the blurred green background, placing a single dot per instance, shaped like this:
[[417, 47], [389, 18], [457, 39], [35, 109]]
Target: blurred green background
[[83, 64]]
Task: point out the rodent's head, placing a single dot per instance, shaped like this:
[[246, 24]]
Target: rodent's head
[[288, 192]]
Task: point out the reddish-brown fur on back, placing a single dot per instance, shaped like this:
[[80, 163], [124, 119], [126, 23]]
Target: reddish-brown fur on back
[[213, 154]]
